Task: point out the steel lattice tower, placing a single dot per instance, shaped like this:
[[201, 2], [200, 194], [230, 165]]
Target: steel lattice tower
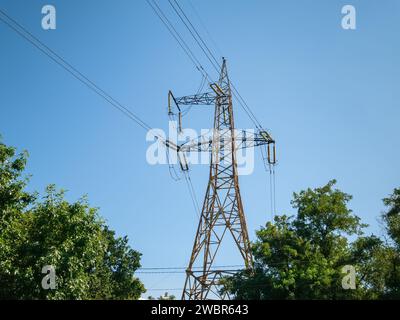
[[222, 210]]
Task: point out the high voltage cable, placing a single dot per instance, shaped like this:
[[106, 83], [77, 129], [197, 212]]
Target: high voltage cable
[[93, 86], [193, 58], [184, 268], [159, 272], [274, 185], [192, 194], [183, 271], [268, 169], [90, 84], [86, 81], [271, 195], [168, 289], [176, 35], [213, 60], [260, 286], [242, 267], [204, 27], [24, 33], [182, 43], [237, 94], [217, 67], [194, 29], [188, 181], [174, 175]]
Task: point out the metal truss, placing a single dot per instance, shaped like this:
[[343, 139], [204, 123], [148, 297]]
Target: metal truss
[[222, 211]]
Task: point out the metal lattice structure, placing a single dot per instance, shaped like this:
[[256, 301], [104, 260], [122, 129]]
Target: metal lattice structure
[[222, 211]]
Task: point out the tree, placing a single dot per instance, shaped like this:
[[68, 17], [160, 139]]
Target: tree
[[392, 216], [89, 260], [13, 201], [391, 219], [302, 257], [369, 254], [166, 296], [378, 260]]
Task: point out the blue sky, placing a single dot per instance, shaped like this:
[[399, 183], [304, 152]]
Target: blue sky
[[329, 96]]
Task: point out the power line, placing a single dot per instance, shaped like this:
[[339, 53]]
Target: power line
[[184, 268], [204, 26], [183, 272], [159, 272], [271, 195], [176, 35], [24, 33], [182, 43], [191, 32], [50, 53], [192, 193], [213, 60], [93, 86], [274, 185], [193, 58], [226, 267], [172, 172], [245, 106], [270, 169], [245, 286], [167, 289]]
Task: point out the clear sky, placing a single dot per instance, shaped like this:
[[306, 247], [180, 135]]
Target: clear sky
[[329, 96]]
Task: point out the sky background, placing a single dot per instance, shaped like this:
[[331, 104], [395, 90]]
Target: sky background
[[329, 96]]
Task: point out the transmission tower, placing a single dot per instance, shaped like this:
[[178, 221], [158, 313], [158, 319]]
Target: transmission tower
[[222, 211]]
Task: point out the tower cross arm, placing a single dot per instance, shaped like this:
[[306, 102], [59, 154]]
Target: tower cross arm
[[243, 139], [207, 98]]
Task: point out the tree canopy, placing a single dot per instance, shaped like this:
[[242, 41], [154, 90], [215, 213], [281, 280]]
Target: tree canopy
[[90, 261], [302, 256]]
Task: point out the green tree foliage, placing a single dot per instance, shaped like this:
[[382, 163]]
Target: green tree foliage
[[166, 296], [392, 222], [89, 260], [302, 257], [392, 216]]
